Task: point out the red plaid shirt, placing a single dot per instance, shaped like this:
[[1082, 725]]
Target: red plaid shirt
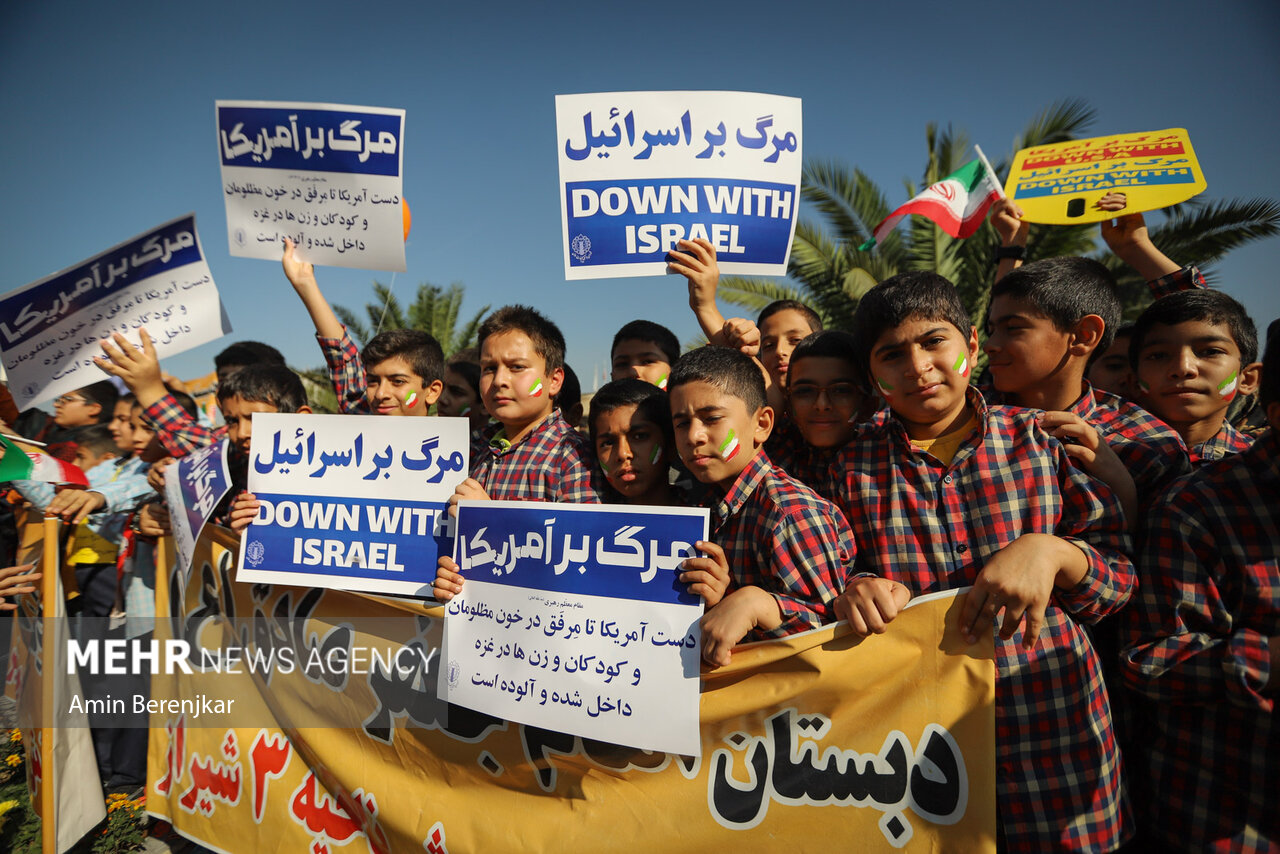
[[932, 526], [179, 432], [1208, 600], [1150, 449], [781, 536], [346, 372], [552, 463], [1227, 442]]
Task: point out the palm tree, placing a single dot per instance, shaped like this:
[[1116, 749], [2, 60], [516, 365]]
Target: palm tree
[[434, 310], [828, 272]]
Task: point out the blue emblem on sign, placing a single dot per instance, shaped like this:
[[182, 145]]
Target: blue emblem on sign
[[254, 553], [580, 248]]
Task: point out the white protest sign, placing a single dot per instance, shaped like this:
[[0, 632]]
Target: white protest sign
[[327, 176], [573, 618], [50, 329], [193, 486], [641, 170], [352, 502]]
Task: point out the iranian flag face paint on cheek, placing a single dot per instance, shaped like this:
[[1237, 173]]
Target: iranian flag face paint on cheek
[[535, 390], [662, 383], [729, 447], [961, 366], [1227, 388], [885, 388], [1143, 387], [653, 457], [411, 400]]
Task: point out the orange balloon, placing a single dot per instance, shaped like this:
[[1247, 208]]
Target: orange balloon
[[408, 217]]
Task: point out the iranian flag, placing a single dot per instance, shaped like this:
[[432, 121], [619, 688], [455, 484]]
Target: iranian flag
[[958, 203], [22, 464]]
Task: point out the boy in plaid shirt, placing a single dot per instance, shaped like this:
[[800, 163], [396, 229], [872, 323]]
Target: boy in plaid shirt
[[1193, 353], [531, 453], [781, 550], [1204, 646], [400, 372], [946, 493]]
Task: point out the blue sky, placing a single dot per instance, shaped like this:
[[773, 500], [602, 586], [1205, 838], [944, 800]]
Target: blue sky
[[110, 111]]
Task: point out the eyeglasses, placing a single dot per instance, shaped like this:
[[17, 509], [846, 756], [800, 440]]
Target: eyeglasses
[[68, 398], [839, 394]]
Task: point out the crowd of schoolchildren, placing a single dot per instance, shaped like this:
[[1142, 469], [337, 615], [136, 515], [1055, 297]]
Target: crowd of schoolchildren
[[1117, 532]]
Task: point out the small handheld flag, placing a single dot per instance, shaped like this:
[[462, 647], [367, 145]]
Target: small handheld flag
[[19, 464], [958, 203]]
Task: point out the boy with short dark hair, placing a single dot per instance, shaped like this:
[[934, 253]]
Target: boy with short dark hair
[[983, 496], [785, 549], [1193, 352], [1204, 647], [825, 401], [1046, 321], [399, 372], [645, 350], [532, 453]]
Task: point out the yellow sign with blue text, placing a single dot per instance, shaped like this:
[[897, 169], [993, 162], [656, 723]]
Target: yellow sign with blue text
[[1061, 184]]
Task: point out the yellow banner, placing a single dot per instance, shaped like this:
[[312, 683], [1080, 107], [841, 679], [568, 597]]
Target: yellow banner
[[1061, 184], [861, 745], [62, 775]]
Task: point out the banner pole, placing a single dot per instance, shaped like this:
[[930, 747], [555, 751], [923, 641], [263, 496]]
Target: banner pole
[[49, 654]]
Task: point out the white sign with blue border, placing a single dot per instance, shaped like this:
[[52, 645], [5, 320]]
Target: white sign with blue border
[[572, 617], [642, 170], [352, 502], [50, 329], [193, 486], [327, 176]]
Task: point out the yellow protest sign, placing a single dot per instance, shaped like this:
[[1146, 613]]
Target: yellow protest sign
[[1060, 184], [855, 745]]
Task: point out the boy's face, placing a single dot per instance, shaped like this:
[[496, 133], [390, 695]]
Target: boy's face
[[514, 384], [715, 434], [780, 332], [121, 427], [142, 436], [73, 409], [238, 413], [642, 360], [458, 399], [824, 399], [1191, 371], [392, 388], [1023, 346], [922, 368], [629, 449], [87, 459], [1112, 371]]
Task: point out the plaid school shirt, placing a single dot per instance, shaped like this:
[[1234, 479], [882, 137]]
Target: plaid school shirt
[[1226, 442], [1150, 449], [781, 536], [346, 372], [179, 433], [1207, 602], [553, 463], [932, 526]]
